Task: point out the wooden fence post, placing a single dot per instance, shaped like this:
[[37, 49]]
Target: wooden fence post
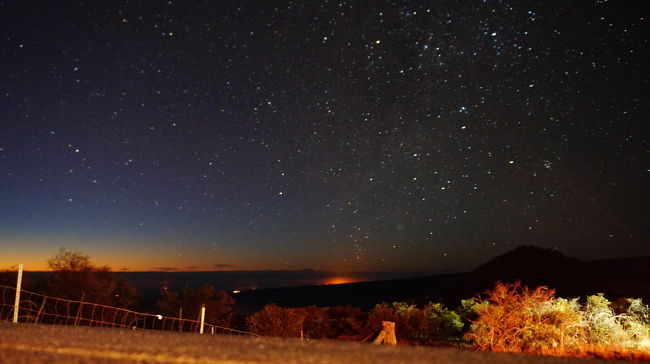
[[19, 282], [38, 315], [81, 304], [202, 319], [387, 334], [180, 319]]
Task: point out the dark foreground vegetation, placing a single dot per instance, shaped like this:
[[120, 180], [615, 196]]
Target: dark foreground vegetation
[[510, 317]]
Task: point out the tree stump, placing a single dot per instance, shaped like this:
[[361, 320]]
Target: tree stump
[[387, 334]]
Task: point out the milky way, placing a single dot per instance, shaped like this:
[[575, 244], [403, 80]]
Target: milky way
[[316, 134]]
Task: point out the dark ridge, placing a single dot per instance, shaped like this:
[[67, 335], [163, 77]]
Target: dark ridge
[[533, 266], [530, 264], [525, 259]]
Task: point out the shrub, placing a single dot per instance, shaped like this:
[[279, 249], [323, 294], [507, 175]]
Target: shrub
[[518, 319], [603, 326], [75, 277], [345, 322], [630, 328], [416, 325], [218, 304], [316, 324], [443, 324], [274, 320]]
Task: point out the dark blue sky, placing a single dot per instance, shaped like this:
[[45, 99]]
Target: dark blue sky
[[346, 136]]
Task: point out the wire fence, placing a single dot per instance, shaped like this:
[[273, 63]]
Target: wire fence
[[38, 308]]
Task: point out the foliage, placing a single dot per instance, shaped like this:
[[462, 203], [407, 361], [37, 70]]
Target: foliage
[[75, 277], [630, 328], [469, 309], [274, 320], [8, 277], [603, 325], [346, 322], [444, 324], [519, 319], [340, 322], [316, 322], [637, 309], [218, 304], [416, 325]]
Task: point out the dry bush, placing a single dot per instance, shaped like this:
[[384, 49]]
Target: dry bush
[[339, 322], [519, 319], [347, 323], [316, 324], [274, 320]]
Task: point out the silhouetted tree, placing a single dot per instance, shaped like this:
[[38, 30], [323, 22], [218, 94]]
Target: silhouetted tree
[[75, 277], [8, 277], [218, 304]]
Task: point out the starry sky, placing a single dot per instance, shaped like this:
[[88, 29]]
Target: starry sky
[[333, 135]]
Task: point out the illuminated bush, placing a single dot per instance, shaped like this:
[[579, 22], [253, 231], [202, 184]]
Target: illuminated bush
[[603, 326], [638, 322], [517, 319], [630, 328]]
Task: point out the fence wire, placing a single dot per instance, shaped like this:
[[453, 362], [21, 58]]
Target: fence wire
[[38, 308]]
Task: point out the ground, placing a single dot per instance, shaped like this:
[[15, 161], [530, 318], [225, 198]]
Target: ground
[[27, 343]]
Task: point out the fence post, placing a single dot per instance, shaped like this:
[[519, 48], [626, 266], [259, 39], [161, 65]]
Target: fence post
[[19, 282], [180, 319], [38, 315], [202, 319], [81, 304], [387, 334]]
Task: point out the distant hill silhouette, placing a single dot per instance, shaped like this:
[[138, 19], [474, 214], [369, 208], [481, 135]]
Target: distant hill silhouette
[[628, 277], [530, 264], [527, 260]]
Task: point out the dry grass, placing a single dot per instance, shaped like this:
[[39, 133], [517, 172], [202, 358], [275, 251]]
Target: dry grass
[[603, 352]]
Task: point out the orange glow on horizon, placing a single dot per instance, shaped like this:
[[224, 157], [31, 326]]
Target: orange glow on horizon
[[341, 280]]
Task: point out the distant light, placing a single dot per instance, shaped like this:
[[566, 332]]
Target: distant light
[[341, 280], [159, 317], [236, 291]]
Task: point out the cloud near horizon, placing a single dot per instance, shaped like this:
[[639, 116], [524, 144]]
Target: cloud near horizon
[[223, 265], [166, 269]]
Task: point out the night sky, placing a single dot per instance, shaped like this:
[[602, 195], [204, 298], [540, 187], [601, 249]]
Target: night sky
[[343, 136]]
